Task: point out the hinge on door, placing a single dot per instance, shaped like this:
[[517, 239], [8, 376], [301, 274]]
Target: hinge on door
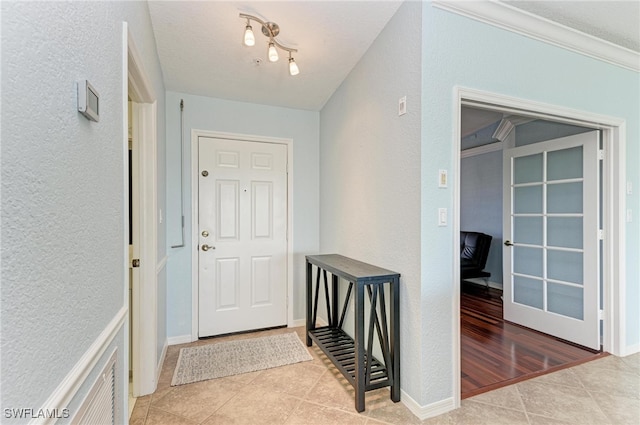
[[135, 262], [601, 234], [601, 154], [600, 314]]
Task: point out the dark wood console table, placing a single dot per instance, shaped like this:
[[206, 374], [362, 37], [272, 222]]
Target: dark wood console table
[[352, 356]]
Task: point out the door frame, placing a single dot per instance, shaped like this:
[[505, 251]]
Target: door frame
[[138, 87], [195, 134], [613, 197]]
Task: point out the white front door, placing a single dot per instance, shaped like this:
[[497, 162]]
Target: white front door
[[551, 253], [242, 254]]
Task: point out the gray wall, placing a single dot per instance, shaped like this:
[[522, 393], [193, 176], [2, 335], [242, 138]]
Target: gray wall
[[63, 190], [481, 204], [370, 172]]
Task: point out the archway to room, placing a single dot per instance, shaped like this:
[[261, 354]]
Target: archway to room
[[495, 352]]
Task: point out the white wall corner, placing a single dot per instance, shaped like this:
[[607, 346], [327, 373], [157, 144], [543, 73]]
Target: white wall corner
[[429, 411], [516, 20]]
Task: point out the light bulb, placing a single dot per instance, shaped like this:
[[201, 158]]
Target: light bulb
[[293, 67], [272, 53], [249, 38]]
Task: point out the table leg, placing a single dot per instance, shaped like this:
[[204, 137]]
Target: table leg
[[395, 338], [359, 347], [309, 325]]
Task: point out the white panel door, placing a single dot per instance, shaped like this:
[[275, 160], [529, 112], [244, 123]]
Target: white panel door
[[551, 253], [242, 253]]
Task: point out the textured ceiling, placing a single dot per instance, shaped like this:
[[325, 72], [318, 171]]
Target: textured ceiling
[[615, 21], [201, 52]]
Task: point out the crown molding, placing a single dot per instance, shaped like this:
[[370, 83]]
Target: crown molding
[[519, 21], [504, 129], [481, 150]]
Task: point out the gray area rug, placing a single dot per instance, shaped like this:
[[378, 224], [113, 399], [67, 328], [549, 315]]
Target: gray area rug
[[234, 357]]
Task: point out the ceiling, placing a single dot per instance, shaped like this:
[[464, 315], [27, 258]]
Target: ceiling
[[201, 52]]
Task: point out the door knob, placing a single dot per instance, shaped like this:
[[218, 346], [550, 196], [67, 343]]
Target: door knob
[[206, 247], [508, 243]]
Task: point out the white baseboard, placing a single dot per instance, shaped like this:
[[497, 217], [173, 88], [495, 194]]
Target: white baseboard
[[180, 339], [628, 351], [297, 323], [429, 411], [161, 360], [478, 281]]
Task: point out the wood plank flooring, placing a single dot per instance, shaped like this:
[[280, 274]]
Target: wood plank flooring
[[495, 353]]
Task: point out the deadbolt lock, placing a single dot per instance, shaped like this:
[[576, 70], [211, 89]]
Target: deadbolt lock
[[205, 173], [205, 233]]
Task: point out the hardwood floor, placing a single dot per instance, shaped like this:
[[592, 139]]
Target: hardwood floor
[[495, 353]]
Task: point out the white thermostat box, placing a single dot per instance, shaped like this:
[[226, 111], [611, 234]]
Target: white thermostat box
[[88, 101]]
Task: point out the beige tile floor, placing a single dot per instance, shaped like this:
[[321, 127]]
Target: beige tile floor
[[604, 391]]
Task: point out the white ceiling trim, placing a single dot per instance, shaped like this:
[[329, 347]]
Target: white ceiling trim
[[481, 150], [519, 21]]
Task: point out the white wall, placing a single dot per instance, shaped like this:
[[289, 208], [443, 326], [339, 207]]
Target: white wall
[[63, 190], [203, 113], [370, 172]]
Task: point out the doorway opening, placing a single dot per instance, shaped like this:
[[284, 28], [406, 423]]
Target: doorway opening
[[480, 307], [140, 219]]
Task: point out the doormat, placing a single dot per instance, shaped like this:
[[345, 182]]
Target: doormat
[[235, 357]]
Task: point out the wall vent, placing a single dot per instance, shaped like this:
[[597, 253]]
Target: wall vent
[[99, 406]]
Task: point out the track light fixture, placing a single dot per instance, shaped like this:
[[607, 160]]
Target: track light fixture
[[270, 30]]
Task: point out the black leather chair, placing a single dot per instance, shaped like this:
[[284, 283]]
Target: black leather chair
[[474, 250]]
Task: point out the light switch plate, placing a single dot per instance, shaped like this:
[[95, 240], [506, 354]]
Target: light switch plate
[[402, 105], [442, 216], [442, 178]]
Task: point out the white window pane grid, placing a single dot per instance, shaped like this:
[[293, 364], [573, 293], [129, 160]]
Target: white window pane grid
[[536, 214]]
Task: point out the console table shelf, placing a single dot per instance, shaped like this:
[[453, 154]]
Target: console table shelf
[[351, 355]]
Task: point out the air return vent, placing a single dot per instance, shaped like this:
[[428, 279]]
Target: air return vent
[[99, 406]]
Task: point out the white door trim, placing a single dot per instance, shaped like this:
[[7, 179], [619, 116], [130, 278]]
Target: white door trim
[[614, 172], [144, 295], [195, 134]]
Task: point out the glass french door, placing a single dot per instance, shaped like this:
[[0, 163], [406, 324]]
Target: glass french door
[[551, 232]]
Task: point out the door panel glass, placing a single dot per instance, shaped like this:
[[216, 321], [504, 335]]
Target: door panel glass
[[528, 169], [565, 300], [528, 292], [564, 198], [565, 232], [528, 230], [565, 164], [527, 260], [528, 200], [565, 265]]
